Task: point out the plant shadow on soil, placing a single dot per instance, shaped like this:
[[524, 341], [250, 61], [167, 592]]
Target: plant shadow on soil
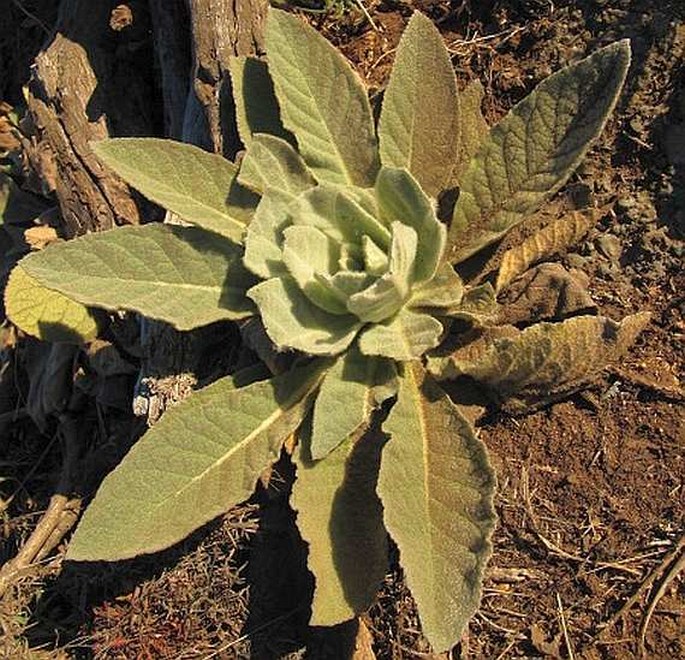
[[241, 577]]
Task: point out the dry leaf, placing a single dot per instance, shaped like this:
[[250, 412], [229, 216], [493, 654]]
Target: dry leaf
[[544, 362], [547, 292], [556, 237], [39, 237]]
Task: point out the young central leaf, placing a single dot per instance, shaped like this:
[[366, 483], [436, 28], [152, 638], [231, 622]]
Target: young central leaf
[[293, 321]]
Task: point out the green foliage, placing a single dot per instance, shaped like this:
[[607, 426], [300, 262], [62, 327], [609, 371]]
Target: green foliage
[[328, 232]]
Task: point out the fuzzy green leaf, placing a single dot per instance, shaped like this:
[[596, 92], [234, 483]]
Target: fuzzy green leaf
[[186, 276], [256, 106], [203, 457], [419, 123], [187, 180], [263, 254], [45, 313], [309, 256], [405, 337], [340, 517], [271, 162], [340, 214], [388, 293], [473, 129], [400, 199], [531, 153], [344, 403], [445, 290], [436, 485], [292, 321], [323, 102]]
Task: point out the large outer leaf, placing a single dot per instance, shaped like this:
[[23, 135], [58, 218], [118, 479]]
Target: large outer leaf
[[419, 123], [545, 361], [292, 321], [535, 148], [203, 457], [340, 517], [344, 403], [183, 275], [271, 162], [183, 178], [436, 486], [46, 314], [323, 102], [256, 106]]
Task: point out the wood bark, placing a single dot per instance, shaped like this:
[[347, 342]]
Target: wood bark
[[76, 96], [101, 74], [219, 30]]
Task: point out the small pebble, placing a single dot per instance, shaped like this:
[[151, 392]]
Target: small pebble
[[575, 260], [609, 246], [626, 202]]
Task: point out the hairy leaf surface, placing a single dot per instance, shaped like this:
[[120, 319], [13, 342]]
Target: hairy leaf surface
[[340, 517], [186, 276], [478, 305], [437, 486], [400, 199], [256, 106], [419, 124], [46, 314], [545, 361], [558, 235], [263, 254], [535, 148], [473, 129], [344, 403], [547, 292], [203, 457], [323, 102], [293, 321], [406, 336], [272, 162], [445, 290], [340, 213], [182, 178]]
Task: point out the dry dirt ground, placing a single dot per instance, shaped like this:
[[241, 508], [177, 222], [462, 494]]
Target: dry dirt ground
[[590, 546]]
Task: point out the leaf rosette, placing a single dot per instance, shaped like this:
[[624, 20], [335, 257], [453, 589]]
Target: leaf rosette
[[344, 262], [327, 232]]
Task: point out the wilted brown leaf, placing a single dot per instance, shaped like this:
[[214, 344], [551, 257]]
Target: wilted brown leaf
[[557, 236], [40, 236], [547, 292], [544, 362]]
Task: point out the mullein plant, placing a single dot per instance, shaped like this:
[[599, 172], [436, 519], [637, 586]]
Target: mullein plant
[[327, 234]]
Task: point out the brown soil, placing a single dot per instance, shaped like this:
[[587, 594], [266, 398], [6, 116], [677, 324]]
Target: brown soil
[[590, 543]]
